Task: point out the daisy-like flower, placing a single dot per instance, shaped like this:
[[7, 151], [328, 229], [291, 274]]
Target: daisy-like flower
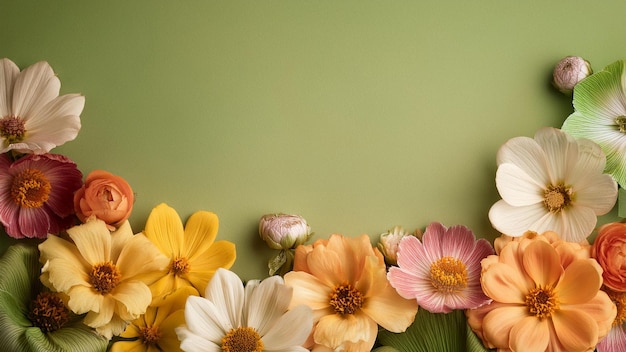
[[33, 117], [231, 318], [34, 319], [37, 194], [600, 115], [615, 340], [102, 272], [193, 252], [344, 281], [442, 272], [155, 331], [546, 297], [551, 183]]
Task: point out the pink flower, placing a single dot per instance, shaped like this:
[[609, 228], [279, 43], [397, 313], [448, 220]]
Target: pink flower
[[36, 194], [443, 271]]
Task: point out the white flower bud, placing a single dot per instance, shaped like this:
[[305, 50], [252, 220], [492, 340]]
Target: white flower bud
[[389, 241], [569, 71], [284, 231]]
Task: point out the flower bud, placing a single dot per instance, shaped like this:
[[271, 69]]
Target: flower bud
[[389, 241], [284, 231], [569, 71], [105, 196]]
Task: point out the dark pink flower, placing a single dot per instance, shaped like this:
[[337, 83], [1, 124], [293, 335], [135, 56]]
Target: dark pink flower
[[37, 194]]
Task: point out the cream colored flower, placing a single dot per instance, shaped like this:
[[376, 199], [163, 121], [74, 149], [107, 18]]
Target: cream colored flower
[[102, 273]]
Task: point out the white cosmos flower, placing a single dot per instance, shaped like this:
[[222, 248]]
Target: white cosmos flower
[[231, 318], [551, 183], [33, 117]]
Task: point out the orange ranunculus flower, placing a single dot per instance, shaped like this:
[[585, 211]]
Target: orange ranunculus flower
[[344, 281], [546, 297], [106, 196], [609, 249]]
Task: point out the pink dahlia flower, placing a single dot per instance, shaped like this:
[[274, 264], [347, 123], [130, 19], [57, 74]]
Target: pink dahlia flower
[[37, 194]]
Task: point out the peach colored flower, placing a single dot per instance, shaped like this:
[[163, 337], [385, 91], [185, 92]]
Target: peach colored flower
[[344, 281], [609, 249], [106, 196], [542, 300]]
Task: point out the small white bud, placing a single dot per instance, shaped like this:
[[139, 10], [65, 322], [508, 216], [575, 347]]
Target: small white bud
[[569, 71]]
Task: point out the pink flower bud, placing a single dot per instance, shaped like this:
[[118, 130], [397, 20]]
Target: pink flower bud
[[569, 71], [283, 231]]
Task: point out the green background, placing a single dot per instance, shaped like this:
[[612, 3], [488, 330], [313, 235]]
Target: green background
[[357, 115]]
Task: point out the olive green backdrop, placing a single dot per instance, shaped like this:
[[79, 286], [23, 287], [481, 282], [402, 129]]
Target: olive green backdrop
[[357, 115]]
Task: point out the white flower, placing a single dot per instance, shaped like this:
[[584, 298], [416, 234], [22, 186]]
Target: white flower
[[551, 183], [33, 117], [230, 318]]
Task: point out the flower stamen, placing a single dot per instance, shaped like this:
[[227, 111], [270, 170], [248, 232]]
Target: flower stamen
[[346, 299], [12, 129], [542, 302], [180, 266], [448, 275], [242, 339], [620, 121], [104, 277], [150, 335], [30, 188], [48, 312], [619, 299], [556, 198]]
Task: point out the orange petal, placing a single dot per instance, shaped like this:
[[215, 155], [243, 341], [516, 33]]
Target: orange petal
[[530, 334], [503, 283], [581, 282], [575, 329], [542, 264], [334, 330], [498, 323]]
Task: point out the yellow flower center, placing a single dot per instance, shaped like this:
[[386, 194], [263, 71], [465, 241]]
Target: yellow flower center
[[346, 299], [30, 188], [180, 266], [104, 277], [542, 302], [448, 275], [619, 299], [150, 335], [48, 313], [557, 197], [620, 121], [243, 339], [12, 129]]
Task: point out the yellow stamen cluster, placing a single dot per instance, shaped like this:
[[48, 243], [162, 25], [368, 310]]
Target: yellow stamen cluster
[[346, 299], [542, 302], [180, 266], [242, 339], [448, 275], [12, 129], [48, 312], [619, 299], [555, 198], [30, 188], [620, 121], [150, 335], [104, 277]]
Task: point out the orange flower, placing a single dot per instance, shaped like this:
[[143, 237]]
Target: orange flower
[[344, 281], [608, 249], [106, 196], [546, 297]]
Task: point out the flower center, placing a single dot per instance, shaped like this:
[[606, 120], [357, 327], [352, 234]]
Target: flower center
[[448, 275], [48, 313], [30, 188], [542, 302], [12, 129], [346, 299], [557, 197], [620, 121], [619, 299], [180, 266], [242, 339], [150, 335], [104, 277]]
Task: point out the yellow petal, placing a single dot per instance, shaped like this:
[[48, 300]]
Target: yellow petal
[[169, 340], [127, 346], [530, 334], [200, 232], [84, 299], [93, 241], [165, 229], [140, 256], [221, 254], [333, 330], [132, 299], [132, 330], [104, 314]]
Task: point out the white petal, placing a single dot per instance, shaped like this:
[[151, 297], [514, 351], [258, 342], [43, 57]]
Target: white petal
[[599, 194], [191, 342], [203, 318], [526, 153], [514, 221], [579, 222], [35, 86], [226, 292], [268, 302], [292, 329], [516, 187], [8, 73], [561, 152]]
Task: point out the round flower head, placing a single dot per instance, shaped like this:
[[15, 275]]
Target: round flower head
[[33, 319], [609, 250], [569, 71], [231, 318], [546, 297], [33, 117], [600, 115], [102, 273], [344, 281], [551, 183], [284, 231], [442, 272], [36, 194], [106, 196]]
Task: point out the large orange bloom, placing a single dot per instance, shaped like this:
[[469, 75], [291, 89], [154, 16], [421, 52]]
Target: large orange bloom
[[546, 297], [344, 281]]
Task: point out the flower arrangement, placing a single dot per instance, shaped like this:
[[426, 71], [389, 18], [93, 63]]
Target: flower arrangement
[[80, 279]]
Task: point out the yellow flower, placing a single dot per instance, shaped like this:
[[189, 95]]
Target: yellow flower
[[102, 272], [344, 281], [194, 255], [546, 297], [155, 330]]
